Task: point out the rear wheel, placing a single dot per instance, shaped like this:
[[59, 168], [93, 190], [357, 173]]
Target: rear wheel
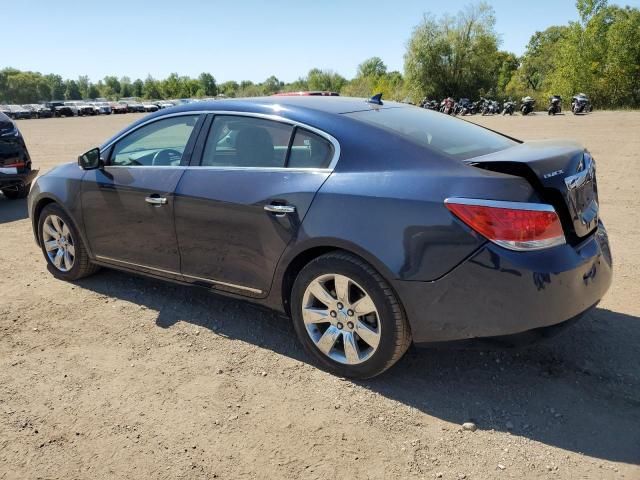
[[62, 246], [347, 317], [17, 192]]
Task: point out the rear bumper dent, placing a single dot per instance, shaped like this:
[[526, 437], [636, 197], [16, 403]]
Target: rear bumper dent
[[498, 292]]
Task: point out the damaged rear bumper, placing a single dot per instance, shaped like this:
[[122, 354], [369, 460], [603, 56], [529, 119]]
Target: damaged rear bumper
[[498, 292]]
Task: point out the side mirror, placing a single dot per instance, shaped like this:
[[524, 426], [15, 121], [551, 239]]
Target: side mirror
[[90, 160]]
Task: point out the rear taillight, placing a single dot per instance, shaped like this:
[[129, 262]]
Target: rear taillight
[[513, 225]]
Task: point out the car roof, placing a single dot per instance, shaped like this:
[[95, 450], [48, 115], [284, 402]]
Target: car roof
[[324, 104], [316, 111]]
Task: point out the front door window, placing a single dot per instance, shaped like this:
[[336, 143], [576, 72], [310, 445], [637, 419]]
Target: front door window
[[160, 143]]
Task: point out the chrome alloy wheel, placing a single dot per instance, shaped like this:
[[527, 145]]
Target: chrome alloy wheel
[[58, 243], [341, 319]]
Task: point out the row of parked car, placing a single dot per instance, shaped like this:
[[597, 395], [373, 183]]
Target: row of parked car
[[76, 108]]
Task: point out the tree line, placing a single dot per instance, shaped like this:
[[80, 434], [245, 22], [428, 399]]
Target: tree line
[[454, 55]]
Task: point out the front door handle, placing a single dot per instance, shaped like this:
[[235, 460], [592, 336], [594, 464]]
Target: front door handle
[[156, 200], [280, 209]]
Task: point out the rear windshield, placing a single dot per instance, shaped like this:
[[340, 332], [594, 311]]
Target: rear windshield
[[442, 133]]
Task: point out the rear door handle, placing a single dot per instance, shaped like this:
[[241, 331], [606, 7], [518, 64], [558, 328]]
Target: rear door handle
[[156, 199], [280, 209]]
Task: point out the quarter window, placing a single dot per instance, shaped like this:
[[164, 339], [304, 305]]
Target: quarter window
[[236, 141], [160, 143], [309, 150]]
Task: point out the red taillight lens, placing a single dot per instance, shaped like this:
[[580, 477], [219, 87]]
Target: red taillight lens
[[513, 225]]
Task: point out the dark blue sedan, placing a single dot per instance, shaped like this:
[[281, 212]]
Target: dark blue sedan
[[372, 224]]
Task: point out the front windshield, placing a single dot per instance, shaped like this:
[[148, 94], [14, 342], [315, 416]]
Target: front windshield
[[444, 134]]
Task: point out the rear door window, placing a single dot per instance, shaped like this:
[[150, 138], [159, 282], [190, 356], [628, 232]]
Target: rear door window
[[238, 141]]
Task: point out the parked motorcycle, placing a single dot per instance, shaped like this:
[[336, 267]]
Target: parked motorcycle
[[581, 104], [526, 105], [429, 104], [490, 107], [466, 107], [555, 105], [509, 107], [447, 106]]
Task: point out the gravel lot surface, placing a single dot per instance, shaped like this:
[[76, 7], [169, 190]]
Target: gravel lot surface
[[118, 376]]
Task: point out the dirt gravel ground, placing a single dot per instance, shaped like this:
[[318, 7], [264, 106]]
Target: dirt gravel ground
[[118, 376]]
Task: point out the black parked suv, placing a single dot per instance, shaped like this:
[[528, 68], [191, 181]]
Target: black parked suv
[[16, 173], [60, 109]]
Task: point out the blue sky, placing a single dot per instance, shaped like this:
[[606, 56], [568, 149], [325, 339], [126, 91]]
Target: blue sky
[[238, 40]]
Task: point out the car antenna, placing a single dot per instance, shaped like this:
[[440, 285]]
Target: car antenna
[[376, 99]]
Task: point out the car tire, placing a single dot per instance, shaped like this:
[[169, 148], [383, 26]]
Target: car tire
[[18, 192], [377, 339], [48, 229]]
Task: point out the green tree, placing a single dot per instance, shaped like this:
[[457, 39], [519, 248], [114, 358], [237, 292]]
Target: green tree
[[298, 85], [137, 88], [72, 92], [171, 87], [537, 63], [111, 87], [587, 9], [208, 85], [249, 89], [83, 85], [453, 56], [93, 91], [44, 90], [359, 87], [151, 88], [229, 89], [324, 80], [507, 64], [372, 67], [191, 87], [126, 89], [23, 87], [391, 85], [600, 56], [271, 85], [56, 86]]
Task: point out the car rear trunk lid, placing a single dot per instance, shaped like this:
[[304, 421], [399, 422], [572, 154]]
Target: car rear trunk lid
[[562, 173]]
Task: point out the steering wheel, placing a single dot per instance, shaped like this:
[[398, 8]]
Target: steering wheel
[[167, 156]]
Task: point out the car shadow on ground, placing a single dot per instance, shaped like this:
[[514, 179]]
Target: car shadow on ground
[[579, 391], [12, 210]]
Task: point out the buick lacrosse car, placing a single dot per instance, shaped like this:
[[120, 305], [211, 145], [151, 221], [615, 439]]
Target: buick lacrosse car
[[372, 224]]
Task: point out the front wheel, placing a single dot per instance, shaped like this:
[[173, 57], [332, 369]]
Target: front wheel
[[62, 246], [347, 317]]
